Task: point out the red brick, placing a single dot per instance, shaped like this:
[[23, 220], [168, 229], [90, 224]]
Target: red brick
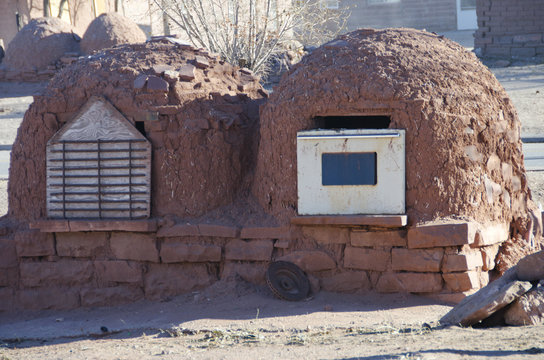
[[118, 271], [9, 276], [110, 296], [253, 250], [49, 298], [327, 234], [490, 235], [34, 243], [254, 273], [462, 262], [8, 254], [462, 281], [65, 272], [282, 243], [173, 251], [366, 259], [218, 230], [409, 282], [7, 299], [114, 225], [378, 238], [178, 230], [162, 281], [310, 261], [81, 244], [265, 233], [440, 235], [134, 246], [346, 282], [51, 225], [417, 260]]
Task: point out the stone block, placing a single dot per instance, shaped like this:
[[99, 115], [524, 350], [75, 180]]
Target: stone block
[[523, 52], [34, 243], [409, 282], [327, 234], [531, 267], [173, 251], [140, 82], [187, 72], [201, 62], [378, 238], [7, 299], [440, 235], [462, 281], [527, 38], [254, 273], [527, 310], [9, 276], [49, 298], [65, 272], [346, 282], [157, 84], [8, 253], [218, 230], [491, 234], [134, 246], [253, 250], [462, 262], [110, 296], [265, 233], [487, 301], [366, 259], [489, 253], [282, 243], [178, 230], [162, 281], [310, 261], [118, 271], [82, 244], [428, 260]]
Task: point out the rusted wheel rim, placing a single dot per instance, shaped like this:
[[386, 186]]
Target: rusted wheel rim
[[287, 281]]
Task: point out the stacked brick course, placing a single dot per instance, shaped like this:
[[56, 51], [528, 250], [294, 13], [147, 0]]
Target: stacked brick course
[[510, 28]]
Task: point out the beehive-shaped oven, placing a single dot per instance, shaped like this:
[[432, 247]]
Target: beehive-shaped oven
[[98, 167]]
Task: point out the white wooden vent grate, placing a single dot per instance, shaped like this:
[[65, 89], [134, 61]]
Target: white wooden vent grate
[[98, 167]]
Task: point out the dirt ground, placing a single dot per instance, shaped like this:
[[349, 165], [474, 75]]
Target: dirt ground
[[237, 320]]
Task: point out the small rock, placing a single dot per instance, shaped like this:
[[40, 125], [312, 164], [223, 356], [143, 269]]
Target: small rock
[[201, 62], [488, 300], [161, 68], [171, 75], [155, 83], [140, 81], [187, 72], [527, 310]]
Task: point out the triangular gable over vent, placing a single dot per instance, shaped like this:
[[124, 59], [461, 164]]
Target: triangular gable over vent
[[98, 167], [97, 120]]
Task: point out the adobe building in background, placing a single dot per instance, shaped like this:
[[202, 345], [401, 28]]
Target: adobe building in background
[[510, 28]]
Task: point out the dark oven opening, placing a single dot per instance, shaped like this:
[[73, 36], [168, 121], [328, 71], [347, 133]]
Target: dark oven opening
[[353, 122]]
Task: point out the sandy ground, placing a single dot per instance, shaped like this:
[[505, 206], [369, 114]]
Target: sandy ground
[[238, 320]]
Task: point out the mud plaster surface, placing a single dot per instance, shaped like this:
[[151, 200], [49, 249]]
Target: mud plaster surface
[[108, 30], [463, 149], [203, 143]]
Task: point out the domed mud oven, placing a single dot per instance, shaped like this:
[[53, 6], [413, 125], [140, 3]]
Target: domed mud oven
[[386, 160]]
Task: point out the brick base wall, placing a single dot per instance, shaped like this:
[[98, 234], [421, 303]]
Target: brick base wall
[[101, 268], [510, 28]]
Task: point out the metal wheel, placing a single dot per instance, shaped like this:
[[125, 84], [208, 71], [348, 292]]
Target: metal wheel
[[287, 281]]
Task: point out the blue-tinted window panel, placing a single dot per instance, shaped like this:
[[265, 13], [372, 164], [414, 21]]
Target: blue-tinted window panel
[[349, 169]]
